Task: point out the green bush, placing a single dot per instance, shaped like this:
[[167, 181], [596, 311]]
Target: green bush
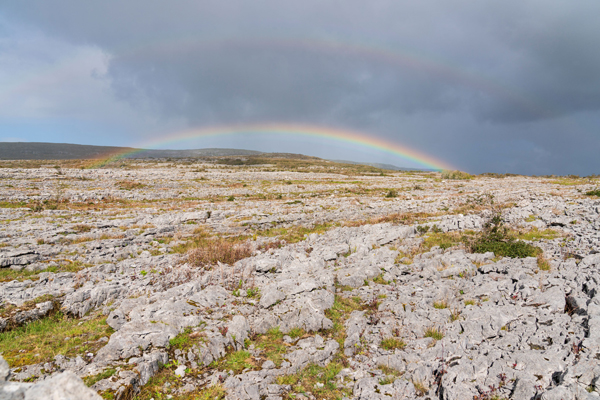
[[496, 238], [514, 248], [595, 192]]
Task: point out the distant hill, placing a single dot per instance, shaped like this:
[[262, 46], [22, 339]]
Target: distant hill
[[384, 166], [54, 151], [67, 151], [196, 153]]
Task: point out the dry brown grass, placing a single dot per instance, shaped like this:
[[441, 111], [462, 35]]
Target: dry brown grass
[[130, 185], [207, 251], [82, 228], [543, 263], [396, 218]]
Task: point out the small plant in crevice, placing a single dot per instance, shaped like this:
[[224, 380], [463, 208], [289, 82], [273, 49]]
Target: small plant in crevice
[[440, 305], [542, 263], [493, 392], [434, 333], [420, 388], [454, 314]]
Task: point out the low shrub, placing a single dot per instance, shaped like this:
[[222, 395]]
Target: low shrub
[[510, 248], [391, 194], [456, 175], [497, 239]]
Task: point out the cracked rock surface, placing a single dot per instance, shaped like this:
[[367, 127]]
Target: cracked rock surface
[[370, 300]]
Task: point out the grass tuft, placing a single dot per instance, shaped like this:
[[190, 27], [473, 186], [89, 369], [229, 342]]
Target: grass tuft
[[434, 333], [543, 263], [535, 234], [454, 314], [440, 305], [420, 388], [237, 361], [392, 343]]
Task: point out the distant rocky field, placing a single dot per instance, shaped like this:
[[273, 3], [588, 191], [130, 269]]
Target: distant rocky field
[[296, 279]]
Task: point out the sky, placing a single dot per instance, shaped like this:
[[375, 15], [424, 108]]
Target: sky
[[506, 87]]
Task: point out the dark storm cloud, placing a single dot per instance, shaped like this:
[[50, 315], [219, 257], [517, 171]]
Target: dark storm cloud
[[497, 70]]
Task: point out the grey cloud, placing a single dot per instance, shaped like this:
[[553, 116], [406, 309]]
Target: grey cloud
[[502, 72], [538, 56]]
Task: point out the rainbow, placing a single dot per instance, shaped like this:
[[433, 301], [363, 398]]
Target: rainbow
[[279, 129]]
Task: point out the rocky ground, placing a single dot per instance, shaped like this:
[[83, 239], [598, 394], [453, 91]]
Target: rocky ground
[[155, 280]]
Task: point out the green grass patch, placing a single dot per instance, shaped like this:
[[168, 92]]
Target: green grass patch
[[570, 181], [341, 310], [595, 192], [318, 381], [443, 240], [186, 339], [43, 339], [157, 389], [271, 345], [379, 280], [12, 204], [107, 373], [296, 333], [7, 274], [253, 293], [392, 343], [237, 361], [535, 234]]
